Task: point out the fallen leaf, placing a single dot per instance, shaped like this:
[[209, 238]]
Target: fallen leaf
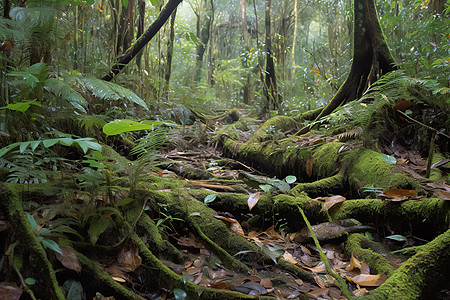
[[10, 291], [354, 264], [233, 224], [309, 166], [288, 257], [116, 273], [253, 199], [444, 195], [271, 232], [315, 294], [129, 257], [266, 283], [368, 280], [440, 163], [69, 259], [330, 201], [400, 193]]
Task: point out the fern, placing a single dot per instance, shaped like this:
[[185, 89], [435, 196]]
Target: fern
[[110, 91], [59, 88]]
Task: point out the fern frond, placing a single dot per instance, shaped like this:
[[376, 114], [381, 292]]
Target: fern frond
[[110, 91], [61, 89], [350, 134]]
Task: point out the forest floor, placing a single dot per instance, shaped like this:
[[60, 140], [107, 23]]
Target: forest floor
[[223, 215]]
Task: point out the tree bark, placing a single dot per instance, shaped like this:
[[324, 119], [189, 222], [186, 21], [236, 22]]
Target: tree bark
[[143, 40], [272, 100], [371, 57], [168, 69], [140, 28]]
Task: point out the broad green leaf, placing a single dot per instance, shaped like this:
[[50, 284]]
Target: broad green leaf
[[20, 106], [50, 142], [32, 221], [210, 198], [266, 188], [155, 3], [51, 245], [120, 126], [23, 146], [88, 143], [397, 237], [125, 201], [97, 226], [34, 145], [30, 281], [74, 290], [388, 158], [290, 179], [179, 294]]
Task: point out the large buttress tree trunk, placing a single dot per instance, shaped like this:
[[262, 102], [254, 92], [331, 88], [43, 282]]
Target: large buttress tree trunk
[[371, 56]]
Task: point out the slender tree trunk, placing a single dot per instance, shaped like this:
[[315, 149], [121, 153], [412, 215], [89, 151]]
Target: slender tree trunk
[[270, 83], [168, 70], [143, 40], [140, 29], [212, 47], [204, 38], [6, 9], [243, 19], [294, 38]]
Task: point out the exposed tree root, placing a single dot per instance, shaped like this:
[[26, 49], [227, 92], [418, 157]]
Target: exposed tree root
[[421, 275], [28, 251]]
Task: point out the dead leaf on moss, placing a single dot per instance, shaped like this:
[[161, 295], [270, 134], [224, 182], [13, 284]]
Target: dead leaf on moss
[[330, 201], [253, 199], [232, 224], [367, 279]]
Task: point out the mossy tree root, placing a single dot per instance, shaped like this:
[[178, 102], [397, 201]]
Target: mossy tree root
[[420, 275], [102, 282], [359, 246], [28, 245]]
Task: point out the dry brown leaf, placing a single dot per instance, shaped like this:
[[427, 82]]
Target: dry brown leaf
[[368, 280], [320, 282], [197, 214], [330, 201], [272, 233], [288, 257], [9, 291], [129, 257], [69, 259], [400, 193], [116, 273], [309, 166], [360, 292], [354, 264], [253, 199], [233, 224], [315, 294], [317, 269], [266, 283]]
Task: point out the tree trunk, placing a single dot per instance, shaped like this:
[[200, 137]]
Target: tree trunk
[[204, 38], [168, 69], [140, 28], [371, 56], [271, 96], [294, 39], [143, 40], [126, 27]]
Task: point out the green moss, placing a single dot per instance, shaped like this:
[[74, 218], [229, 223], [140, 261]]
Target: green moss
[[272, 127], [325, 186], [359, 245], [367, 168], [427, 268], [326, 159]]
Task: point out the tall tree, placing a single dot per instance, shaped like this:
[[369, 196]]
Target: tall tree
[[271, 95], [137, 46], [168, 66], [371, 56]]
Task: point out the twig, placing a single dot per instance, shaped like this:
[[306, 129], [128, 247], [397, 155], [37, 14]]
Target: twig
[[424, 125], [341, 282]]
